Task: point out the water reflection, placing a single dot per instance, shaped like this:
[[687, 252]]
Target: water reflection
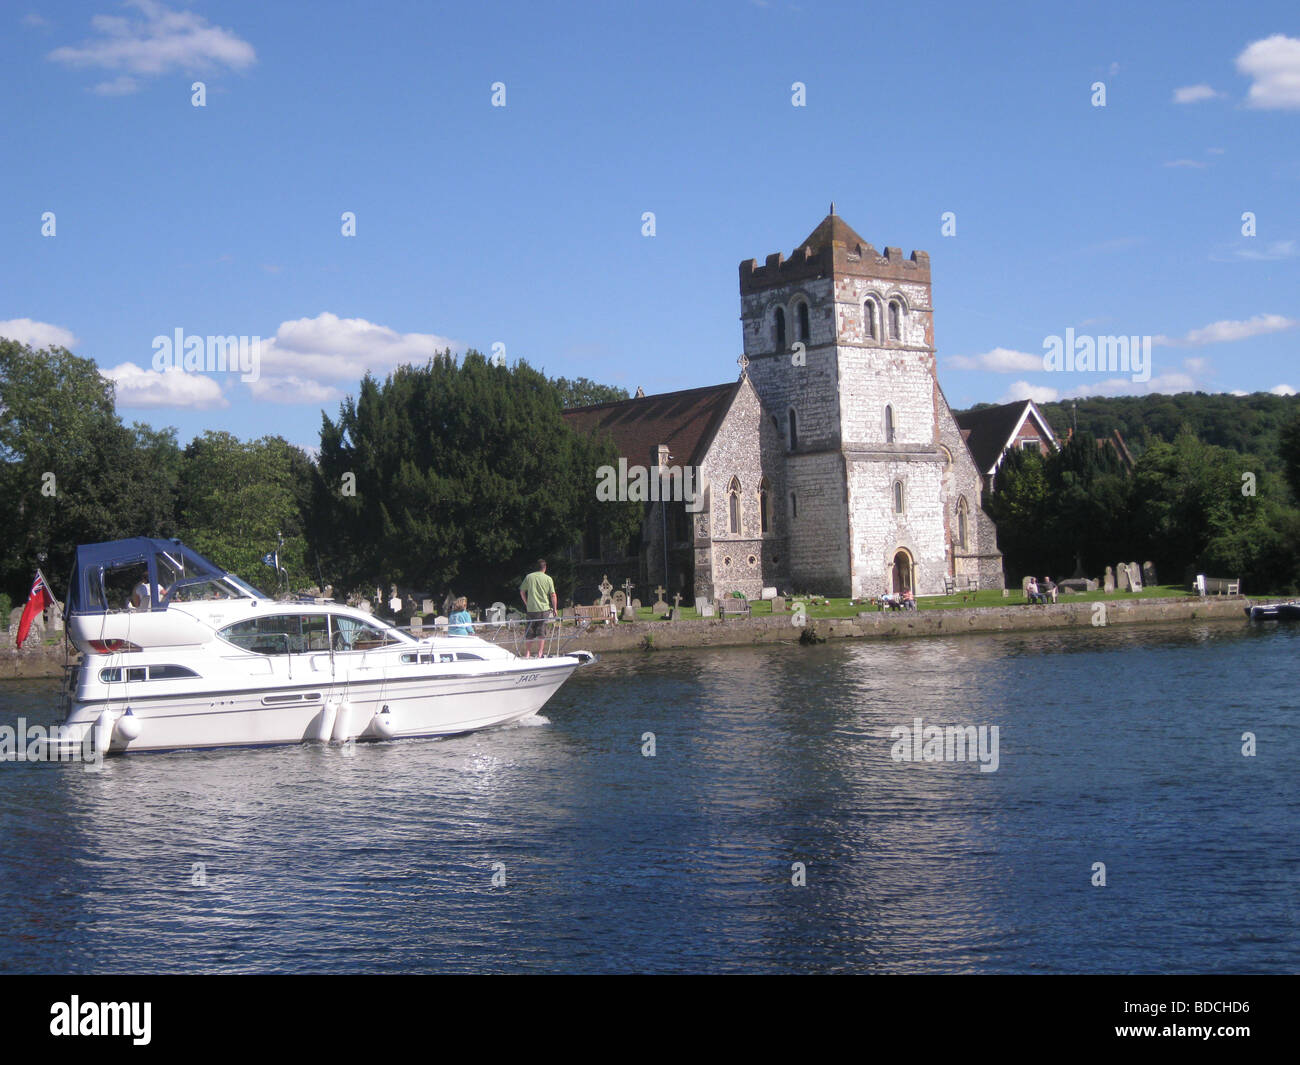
[[1116, 745]]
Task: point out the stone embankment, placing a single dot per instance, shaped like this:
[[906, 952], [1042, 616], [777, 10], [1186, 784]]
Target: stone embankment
[[47, 660]]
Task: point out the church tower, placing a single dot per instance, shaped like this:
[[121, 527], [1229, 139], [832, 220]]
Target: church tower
[[881, 493]]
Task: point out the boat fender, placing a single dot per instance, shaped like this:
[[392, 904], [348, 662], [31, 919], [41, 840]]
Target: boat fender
[[325, 723], [128, 727], [343, 722], [383, 723], [103, 731]]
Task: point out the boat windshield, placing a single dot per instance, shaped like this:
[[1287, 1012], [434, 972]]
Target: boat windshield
[[147, 574]]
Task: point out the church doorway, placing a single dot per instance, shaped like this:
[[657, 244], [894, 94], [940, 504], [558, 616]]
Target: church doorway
[[901, 573]]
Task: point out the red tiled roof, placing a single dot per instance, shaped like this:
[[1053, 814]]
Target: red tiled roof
[[686, 421]]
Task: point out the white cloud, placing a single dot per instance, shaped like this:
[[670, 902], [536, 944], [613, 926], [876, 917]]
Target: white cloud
[[37, 334], [122, 85], [1024, 390], [1222, 332], [1195, 164], [329, 348], [1278, 249], [1273, 64], [35, 20], [136, 387], [1238, 392], [292, 389], [1282, 390], [1191, 94], [156, 41], [999, 360]]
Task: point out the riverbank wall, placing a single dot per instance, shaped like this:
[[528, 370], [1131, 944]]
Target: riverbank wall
[[47, 660]]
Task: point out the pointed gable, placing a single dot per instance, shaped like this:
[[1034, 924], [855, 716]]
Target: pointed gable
[[686, 421]]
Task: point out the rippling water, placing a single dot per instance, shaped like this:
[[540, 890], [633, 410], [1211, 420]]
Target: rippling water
[[1120, 746]]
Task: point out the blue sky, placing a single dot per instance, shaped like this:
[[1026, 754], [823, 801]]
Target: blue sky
[[522, 225]]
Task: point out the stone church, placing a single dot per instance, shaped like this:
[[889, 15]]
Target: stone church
[[833, 465]]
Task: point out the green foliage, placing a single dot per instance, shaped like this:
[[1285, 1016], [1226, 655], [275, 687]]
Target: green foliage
[[464, 474], [234, 497], [1289, 450], [582, 392], [70, 471]]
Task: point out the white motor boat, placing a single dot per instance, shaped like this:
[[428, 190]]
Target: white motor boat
[[178, 653]]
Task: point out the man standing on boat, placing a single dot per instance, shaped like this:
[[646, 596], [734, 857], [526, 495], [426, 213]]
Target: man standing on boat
[[540, 602]]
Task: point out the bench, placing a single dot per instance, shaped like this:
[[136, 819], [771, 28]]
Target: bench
[[733, 608], [603, 614], [1216, 585]]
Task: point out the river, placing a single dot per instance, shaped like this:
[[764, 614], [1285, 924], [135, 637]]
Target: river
[[732, 810]]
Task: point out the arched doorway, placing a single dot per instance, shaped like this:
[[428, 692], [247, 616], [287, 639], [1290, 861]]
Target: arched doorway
[[902, 577]]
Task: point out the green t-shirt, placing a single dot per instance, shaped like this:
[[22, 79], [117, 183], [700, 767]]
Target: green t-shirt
[[538, 587]]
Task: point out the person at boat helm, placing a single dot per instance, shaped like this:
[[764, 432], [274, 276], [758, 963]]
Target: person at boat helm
[[140, 595], [540, 603]]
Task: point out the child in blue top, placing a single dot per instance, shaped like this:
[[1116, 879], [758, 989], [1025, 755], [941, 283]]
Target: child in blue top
[[460, 623]]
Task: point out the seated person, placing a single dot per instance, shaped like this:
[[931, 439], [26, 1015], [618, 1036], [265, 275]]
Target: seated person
[[140, 596], [460, 623], [1031, 590], [909, 600], [1049, 589]]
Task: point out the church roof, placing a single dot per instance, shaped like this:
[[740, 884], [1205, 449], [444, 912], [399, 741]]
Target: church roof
[[830, 231], [686, 421], [990, 430]]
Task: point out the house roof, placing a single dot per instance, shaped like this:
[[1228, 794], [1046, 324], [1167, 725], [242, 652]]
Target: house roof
[[686, 421], [989, 431]]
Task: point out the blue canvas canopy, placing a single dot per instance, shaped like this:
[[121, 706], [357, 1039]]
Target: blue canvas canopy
[[163, 565]]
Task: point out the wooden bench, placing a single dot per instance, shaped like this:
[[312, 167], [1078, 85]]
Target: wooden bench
[[603, 614], [1217, 585], [732, 607]]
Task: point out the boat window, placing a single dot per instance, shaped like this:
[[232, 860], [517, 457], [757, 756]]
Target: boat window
[[353, 634], [415, 659], [465, 656], [280, 634], [170, 672], [114, 674], [119, 583]]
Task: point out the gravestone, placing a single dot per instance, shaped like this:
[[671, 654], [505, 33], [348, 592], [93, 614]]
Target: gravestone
[[1134, 577], [1075, 585], [1108, 581], [628, 613], [660, 606], [417, 625], [768, 593], [778, 605], [496, 613], [635, 604], [620, 600], [627, 590], [705, 608], [676, 613], [440, 624], [365, 607], [700, 603], [605, 589], [1149, 573], [428, 607]]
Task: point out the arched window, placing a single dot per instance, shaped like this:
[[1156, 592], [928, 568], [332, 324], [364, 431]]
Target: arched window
[[895, 320], [780, 329], [764, 518], [733, 506], [794, 429], [898, 497], [889, 424], [804, 330], [963, 514], [869, 320]]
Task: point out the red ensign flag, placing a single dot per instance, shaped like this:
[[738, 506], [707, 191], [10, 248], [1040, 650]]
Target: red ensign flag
[[36, 602]]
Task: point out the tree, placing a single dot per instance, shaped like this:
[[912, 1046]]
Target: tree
[[581, 392], [456, 474], [70, 471], [235, 497]]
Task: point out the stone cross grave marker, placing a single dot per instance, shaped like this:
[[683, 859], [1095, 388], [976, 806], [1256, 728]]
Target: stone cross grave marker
[[676, 613], [660, 606], [605, 589], [627, 589]]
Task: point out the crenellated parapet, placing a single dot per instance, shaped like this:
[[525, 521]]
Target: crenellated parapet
[[833, 249]]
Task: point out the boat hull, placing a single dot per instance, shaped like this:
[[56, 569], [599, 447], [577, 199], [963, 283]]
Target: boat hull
[[428, 705]]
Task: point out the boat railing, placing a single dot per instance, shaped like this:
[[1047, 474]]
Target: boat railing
[[510, 633]]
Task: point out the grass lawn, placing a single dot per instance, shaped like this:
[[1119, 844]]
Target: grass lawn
[[848, 608]]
